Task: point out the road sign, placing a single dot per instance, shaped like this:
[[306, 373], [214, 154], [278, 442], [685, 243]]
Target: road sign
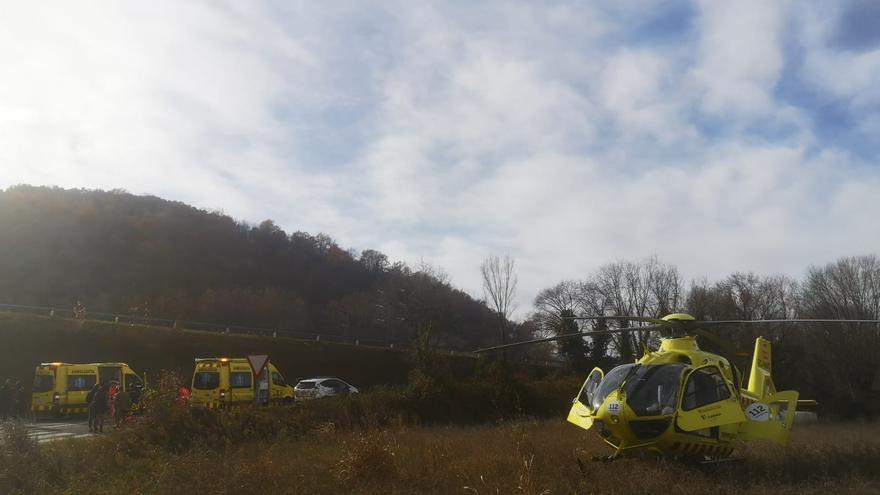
[[261, 378], [257, 362]]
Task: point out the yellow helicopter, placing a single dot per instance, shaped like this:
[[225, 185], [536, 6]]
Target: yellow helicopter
[[682, 401]]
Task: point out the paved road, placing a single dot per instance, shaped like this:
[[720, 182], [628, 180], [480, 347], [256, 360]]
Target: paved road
[[48, 431]]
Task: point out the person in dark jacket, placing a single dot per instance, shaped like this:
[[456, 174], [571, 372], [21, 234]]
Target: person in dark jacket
[[16, 399], [100, 406], [6, 396], [21, 402], [121, 407], [90, 401]]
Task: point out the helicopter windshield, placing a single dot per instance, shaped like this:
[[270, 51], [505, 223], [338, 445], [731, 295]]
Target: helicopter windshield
[[653, 390], [611, 382]]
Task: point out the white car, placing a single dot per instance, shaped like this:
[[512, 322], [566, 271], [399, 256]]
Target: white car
[[314, 388]]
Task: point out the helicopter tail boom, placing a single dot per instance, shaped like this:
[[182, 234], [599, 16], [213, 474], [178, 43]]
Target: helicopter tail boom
[[770, 413], [760, 382]]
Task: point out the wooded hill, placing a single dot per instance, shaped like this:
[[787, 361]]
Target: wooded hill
[[115, 251]]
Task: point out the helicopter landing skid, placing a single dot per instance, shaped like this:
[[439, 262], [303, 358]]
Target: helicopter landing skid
[[718, 462]]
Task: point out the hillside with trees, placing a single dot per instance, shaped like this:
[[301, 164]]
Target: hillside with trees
[[116, 251]]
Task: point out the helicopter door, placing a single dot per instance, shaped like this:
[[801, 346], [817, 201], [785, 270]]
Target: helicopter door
[[580, 413], [707, 401]]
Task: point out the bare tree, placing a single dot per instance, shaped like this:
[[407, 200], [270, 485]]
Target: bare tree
[[374, 261], [847, 355], [551, 303], [499, 288], [552, 306], [748, 296], [745, 296], [425, 269], [645, 288]]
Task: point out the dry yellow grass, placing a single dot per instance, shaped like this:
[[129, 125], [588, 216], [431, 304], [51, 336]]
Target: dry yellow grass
[[511, 458]]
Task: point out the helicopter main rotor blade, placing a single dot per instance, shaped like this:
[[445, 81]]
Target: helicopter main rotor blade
[[643, 319], [569, 336], [713, 323]]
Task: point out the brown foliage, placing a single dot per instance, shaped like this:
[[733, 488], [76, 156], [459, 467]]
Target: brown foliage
[[511, 458]]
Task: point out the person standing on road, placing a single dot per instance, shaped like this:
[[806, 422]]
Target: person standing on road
[[100, 408], [21, 402], [90, 401], [6, 394], [15, 399], [111, 397], [121, 406]]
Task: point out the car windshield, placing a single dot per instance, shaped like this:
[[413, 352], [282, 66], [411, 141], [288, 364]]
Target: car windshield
[[653, 390], [305, 385]]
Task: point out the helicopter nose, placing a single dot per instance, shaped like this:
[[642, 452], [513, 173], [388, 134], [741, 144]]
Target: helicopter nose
[[610, 420]]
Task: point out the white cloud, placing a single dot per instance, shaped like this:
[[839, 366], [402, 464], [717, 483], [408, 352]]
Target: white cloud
[[448, 132], [637, 91], [740, 55], [846, 74]]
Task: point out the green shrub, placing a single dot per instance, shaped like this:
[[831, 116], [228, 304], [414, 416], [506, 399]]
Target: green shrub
[[18, 457]]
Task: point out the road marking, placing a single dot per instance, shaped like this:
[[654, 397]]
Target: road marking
[[51, 437], [55, 431]]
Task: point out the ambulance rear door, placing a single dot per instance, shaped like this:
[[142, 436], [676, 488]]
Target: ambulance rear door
[[241, 383]]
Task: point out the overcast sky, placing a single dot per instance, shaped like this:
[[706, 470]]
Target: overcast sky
[[720, 136]]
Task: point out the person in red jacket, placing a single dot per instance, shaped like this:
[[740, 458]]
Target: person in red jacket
[[183, 396], [111, 397]]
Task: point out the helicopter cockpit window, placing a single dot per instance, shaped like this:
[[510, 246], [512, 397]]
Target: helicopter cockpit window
[[589, 389], [653, 390], [612, 380], [704, 386]]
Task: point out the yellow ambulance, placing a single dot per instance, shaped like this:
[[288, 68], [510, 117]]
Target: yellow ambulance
[[222, 383], [61, 388]]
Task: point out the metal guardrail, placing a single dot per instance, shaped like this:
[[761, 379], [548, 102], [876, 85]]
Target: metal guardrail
[[200, 326]]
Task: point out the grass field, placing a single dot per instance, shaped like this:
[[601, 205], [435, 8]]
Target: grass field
[[511, 458], [435, 435]]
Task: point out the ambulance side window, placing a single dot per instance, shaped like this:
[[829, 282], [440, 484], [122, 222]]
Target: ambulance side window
[[77, 383], [240, 379]]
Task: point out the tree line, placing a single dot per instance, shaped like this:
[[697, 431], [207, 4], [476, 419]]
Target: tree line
[[836, 363], [116, 251]]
